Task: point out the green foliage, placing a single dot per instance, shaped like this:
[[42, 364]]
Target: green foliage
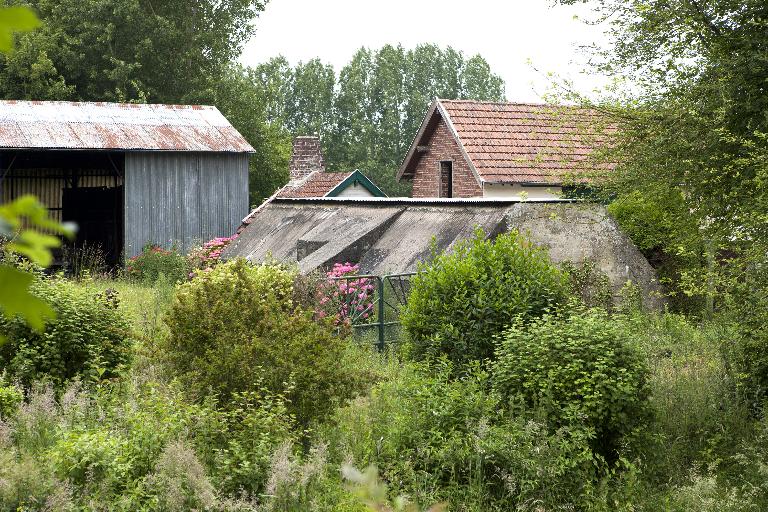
[[373, 492], [462, 299], [435, 438], [127, 50], [745, 345], [368, 117], [589, 284], [239, 319], [12, 20], [154, 262], [698, 417], [89, 338], [661, 227], [10, 398], [15, 298], [139, 446], [581, 369]]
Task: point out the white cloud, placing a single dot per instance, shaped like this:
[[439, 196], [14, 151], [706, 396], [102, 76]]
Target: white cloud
[[511, 35]]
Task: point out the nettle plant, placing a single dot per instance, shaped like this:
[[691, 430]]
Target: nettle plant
[[345, 300], [208, 255]]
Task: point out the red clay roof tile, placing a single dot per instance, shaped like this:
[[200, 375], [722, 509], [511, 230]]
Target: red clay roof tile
[[317, 184]]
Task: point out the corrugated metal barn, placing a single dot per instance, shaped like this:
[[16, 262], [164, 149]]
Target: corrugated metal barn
[[127, 174]]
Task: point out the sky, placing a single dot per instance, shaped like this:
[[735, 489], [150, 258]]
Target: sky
[[522, 40]]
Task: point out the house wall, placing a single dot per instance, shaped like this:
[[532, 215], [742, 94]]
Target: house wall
[[515, 191], [355, 190], [183, 198], [426, 178]]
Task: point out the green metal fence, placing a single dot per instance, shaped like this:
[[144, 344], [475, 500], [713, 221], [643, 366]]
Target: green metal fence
[[373, 303]]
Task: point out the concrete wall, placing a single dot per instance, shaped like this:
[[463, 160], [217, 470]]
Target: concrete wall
[[183, 198], [517, 192], [393, 236]]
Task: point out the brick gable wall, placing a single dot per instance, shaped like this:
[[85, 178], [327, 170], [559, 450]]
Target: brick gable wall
[[426, 177]]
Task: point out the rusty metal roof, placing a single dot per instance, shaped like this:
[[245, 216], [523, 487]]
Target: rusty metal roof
[[117, 126]]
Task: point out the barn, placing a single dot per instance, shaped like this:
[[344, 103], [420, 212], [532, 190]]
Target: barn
[[128, 174]]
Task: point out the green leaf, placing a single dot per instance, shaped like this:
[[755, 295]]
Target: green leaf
[[16, 300], [12, 20], [35, 246]]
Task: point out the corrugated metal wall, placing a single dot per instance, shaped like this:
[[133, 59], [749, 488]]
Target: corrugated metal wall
[[183, 198]]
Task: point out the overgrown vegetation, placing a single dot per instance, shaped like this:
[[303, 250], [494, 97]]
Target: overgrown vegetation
[[517, 385]]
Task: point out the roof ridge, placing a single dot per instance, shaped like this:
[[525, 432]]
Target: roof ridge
[[107, 103], [514, 103]]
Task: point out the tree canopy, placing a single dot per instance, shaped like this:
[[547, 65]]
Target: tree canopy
[[368, 114], [694, 118]]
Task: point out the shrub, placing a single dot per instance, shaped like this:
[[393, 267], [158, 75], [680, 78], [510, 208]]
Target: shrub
[[462, 299], [345, 300], [10, 398], [89, 338], [238, 321], [154, 262], [745, 341], [581, 369], [138, 445], [438, 438], [208, 255], [698, 418]]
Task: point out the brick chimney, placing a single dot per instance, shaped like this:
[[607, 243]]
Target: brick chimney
[[306, 157]]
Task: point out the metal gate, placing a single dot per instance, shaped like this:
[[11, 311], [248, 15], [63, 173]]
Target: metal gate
[[373, 303]]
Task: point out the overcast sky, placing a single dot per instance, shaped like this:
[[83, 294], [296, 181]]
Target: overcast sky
[[512, 35]]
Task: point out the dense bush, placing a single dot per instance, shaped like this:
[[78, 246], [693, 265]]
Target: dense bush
[[436, 438], [238, 321], [582, 369], [89, 338], [154, 261], [698, 418], [745, 342], [462, 299], [137, 446]]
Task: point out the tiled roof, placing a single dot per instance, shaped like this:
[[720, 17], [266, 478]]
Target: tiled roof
[[123, 126], [526, 143], [317, 184]]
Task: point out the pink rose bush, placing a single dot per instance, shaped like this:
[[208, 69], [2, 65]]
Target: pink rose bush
[[346, 300], [208, 255]]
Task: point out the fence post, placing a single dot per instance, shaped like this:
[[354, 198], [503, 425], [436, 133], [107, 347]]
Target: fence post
[[380, 284]]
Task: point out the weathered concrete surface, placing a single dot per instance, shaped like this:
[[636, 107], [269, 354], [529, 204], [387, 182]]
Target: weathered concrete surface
[[393, 235]]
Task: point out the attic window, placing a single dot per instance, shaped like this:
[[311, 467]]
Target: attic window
[[446, 179]]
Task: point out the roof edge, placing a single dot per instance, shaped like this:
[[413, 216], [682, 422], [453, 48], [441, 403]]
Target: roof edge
[[412, 150], [447, 117], [356, 176]]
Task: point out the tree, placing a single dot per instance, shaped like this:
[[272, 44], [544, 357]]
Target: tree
[[695, 120], [309, 103], [127, 50], [368, 117]]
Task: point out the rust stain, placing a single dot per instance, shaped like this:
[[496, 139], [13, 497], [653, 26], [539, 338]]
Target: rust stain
[[70, 125]]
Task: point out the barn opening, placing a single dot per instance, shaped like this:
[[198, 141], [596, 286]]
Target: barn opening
[[85, 187]]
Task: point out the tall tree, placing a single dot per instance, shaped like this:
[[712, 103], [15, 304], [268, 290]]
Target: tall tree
[[379, 103], [695, 120], [127, 50], [309, 104], [352, 140]]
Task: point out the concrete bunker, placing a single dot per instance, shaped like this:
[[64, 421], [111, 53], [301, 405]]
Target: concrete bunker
[[392, 235]]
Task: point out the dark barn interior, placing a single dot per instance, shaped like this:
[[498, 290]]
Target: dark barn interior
[[84, 187]]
